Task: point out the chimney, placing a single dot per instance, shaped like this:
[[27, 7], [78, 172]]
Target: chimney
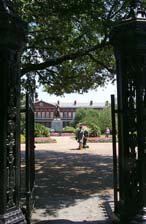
[[91, 102], [58, 102], [75, 102], [36, 96]]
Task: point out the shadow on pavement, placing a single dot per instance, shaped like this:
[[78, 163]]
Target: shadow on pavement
[[63, 221], [62, 178]]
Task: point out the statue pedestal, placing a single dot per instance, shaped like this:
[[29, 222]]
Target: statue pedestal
[[57, 124]]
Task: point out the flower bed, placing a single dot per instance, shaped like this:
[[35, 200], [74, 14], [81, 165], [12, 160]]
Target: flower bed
[[99, 139], [61, 134], [45, 140]]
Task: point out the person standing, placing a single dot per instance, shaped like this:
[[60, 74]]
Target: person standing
[[107, 132], [86, 134], [80, 137]]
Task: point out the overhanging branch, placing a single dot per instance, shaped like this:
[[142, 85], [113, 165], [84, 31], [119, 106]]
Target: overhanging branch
[[102, 64], [53, 62]]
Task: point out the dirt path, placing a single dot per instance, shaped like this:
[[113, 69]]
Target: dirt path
[[72, 186]]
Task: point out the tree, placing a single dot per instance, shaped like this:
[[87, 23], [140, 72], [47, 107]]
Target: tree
[[86, 116], [95, 120], [79, 116], [68, 47], [105, 119], [91, 117]]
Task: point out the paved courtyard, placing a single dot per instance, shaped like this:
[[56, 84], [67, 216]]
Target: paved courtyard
[[73, 186]]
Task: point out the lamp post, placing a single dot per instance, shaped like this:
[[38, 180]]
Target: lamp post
[[129, 41], [12, 38]]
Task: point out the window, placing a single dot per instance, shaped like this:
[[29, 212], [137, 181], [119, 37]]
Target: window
[[61, 114], [74, 114], [43, 114], [69, 114], [52, 114], [47, 114], [65, 114], [39, 114]]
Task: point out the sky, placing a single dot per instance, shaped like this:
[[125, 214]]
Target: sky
[[101, 95]]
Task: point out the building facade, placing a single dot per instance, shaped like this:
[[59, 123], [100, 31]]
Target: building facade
[[45, 112]]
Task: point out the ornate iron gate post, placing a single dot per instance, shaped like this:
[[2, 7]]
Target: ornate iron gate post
[[30, 154], [11, 41], [129, 41], [115, 159]]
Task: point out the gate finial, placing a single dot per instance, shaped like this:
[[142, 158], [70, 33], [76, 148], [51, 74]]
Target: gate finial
[[6, 5], [2, 5], [136, 10]]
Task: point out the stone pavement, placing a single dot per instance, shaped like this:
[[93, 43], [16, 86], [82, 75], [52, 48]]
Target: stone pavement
[[73, 186]]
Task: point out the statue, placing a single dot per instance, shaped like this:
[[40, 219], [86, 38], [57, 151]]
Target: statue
[[57, 123], [57, 111]]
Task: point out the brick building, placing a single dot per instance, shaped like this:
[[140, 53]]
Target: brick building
[[45, 112]]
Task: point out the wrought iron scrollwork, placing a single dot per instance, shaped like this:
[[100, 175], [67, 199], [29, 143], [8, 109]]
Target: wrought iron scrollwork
[[132, 153], [135, 89], [136, 10], [11, 136]]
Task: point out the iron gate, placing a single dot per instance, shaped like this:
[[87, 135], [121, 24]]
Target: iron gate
[[115, 154], [28, 157]]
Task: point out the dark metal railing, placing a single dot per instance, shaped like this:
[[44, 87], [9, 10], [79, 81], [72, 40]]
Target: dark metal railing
[[115, 162], [29, 156], [28, 159]]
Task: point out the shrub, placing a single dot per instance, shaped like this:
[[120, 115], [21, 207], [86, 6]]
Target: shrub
[[68, 129], [94, 131], [41, 130]]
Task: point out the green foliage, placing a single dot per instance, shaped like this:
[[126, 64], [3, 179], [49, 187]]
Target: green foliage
[[97, 121], [94, 130], [22, 138], [68, 45], [91, 117], [105, 119], [22, 115], [41, 131], [85, 116], [22, 123], [68, 129], [79, 116]]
